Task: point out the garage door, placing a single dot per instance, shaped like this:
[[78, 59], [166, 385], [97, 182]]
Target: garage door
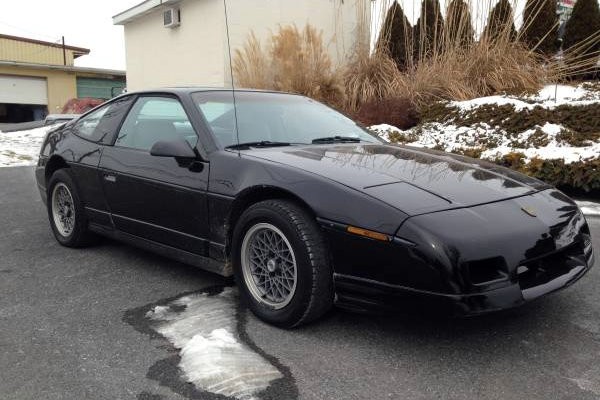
[[23, 90], [99, 88]]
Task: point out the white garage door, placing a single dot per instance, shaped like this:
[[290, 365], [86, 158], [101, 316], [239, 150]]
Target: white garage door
[[23, 90]]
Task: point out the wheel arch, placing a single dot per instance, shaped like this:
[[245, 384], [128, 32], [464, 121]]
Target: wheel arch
[[256, 194], [54, 164]]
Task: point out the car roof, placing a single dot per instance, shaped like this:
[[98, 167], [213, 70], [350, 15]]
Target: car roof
[[195, 89]]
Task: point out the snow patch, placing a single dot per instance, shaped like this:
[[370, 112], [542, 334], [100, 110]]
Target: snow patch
[[553, 150], [561, 93], [21, 148], [496, 142], [203, 327], [589, 208], [384, 130], [549, 97]]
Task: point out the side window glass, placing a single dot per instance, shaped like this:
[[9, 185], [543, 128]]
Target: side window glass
[[107, 128], [154, 119], [86, 126], [100, 125]]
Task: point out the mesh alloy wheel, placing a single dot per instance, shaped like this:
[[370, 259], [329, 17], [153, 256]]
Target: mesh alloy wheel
[[63, 209], [269, 265]]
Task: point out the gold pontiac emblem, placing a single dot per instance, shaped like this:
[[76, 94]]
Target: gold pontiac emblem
[[529, 211]]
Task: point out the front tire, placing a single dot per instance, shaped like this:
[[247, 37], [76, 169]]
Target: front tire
[[281, 264], [66, 211]]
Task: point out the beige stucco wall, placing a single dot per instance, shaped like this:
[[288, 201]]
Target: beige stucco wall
[[62, 85], [196, 52], [337, 19], [191, 54]]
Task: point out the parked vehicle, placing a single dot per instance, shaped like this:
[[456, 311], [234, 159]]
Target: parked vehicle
[[305, 207], [53, 119]]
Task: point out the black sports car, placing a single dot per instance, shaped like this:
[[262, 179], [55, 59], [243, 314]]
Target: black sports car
[[306, 208]]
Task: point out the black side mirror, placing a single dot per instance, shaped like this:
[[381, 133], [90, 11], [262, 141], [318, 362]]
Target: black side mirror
[[174, 148]]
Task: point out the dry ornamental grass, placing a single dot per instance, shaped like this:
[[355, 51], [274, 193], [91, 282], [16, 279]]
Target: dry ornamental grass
[[446, 58]]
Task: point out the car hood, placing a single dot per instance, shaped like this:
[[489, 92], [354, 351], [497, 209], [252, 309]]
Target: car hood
[[413, 180]]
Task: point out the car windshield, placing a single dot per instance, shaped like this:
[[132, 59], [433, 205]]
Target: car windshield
[[275, 118]]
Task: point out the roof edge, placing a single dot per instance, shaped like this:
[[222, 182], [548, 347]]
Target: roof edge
[[44, 43], [139, 10], [99, 71]]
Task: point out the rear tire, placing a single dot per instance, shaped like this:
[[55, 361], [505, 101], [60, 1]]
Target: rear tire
[[281, 264], [66, 211]]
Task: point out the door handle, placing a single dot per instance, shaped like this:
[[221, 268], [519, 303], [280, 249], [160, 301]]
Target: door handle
[[110, 178]]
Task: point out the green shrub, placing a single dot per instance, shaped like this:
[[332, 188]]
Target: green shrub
[[473, 152], [428, 31], [396, 36], [402, 137], [459, 28], [581, 175], [583, 120], [540, 26], [501, 22], [582, 29]]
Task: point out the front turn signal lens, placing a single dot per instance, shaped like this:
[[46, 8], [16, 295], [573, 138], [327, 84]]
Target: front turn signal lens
[[367, 233]]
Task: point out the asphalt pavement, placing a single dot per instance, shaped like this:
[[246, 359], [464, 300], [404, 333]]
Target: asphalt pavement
[[73, 326]]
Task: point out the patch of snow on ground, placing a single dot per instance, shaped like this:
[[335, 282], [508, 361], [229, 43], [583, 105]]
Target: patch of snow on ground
[[203, 327], [553, 150], [21, 148], [468, 105], [384, 130], [561, 93], [496, 142], [549, 97], [589, 208]]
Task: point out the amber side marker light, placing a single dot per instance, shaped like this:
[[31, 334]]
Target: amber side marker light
[[367, 233]]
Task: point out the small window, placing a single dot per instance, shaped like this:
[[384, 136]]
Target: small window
[[100, 125], [154, 119], [86, 126]]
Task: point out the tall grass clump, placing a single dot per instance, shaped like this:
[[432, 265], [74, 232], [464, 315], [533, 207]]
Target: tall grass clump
[[294, 61], [370, 77], [446, 55]]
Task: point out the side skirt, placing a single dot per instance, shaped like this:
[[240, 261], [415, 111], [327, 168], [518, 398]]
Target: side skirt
[[222, 268]]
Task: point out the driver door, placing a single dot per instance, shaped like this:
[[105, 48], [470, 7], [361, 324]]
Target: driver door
[[156, 198]]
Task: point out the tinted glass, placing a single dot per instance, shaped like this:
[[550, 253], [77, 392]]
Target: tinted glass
[[86, 126], [154, 119], [273, 117], [100, 125]]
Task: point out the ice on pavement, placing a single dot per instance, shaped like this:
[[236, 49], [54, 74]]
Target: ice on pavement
[[204, 329]]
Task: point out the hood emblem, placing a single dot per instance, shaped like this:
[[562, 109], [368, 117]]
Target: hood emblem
[[529, 211]]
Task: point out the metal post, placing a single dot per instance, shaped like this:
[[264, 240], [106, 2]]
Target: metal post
[[64, 51]]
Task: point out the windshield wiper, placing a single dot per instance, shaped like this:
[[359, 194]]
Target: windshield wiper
[[336, 139], [262, 143]]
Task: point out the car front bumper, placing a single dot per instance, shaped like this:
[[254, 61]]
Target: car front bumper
[[360, 294]]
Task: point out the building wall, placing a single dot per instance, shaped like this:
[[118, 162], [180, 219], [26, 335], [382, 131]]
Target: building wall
[[61, 85], [191, 54], [22, 51], [196, 53], [336, 19]]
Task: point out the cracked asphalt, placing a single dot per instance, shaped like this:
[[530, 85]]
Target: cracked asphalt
[[69, 330]]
